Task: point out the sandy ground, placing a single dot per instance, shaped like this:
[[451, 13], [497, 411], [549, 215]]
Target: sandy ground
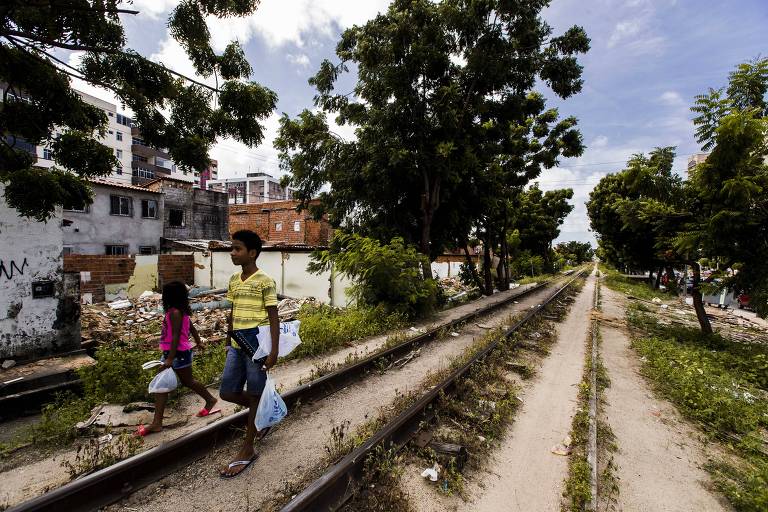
[[660, 457], [299, 443], [524, 475], [35, 473]]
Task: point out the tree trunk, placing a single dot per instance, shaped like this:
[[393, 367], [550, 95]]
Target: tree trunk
[[425, 243], [698, 303], [475, 276], [658, 279], [503, 269], [488, 285], [430, 200]]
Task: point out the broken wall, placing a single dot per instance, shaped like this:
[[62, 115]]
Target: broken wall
[[39, 306], [107, 278]]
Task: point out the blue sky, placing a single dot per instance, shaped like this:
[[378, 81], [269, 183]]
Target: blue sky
[[649, 58]]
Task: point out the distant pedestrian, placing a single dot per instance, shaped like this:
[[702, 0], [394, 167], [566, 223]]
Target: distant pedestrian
[[254, 306], [177, 353]]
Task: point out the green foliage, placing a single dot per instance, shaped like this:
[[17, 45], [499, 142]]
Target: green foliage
[[441, 142], [386, 274], [40, 107], [57, 421], [715, 381], [208, 365], [745, 486], [117, 376], [703, 387], [574, 253], [640, 289], [324, 328], [577, 486]]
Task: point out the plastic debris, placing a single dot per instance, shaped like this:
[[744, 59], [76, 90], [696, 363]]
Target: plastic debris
[[432, 472], [8, 363], [565, 448], [656, 300], [120, 304], [454, 334]]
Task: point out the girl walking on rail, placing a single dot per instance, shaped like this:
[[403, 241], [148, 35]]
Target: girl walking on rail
[[177, 353]]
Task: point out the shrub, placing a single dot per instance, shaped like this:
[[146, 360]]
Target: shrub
[[389, 274]]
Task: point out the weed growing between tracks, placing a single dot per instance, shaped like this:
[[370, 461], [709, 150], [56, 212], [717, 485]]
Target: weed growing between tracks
[[719, 384], [578, 493]]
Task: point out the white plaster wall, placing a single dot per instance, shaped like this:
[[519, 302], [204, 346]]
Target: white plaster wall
[[29, 251], [300, 283], [202, 268], [290, 275], [446, 269]]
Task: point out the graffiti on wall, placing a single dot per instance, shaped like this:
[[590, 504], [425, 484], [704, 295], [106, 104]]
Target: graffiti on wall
[[12, 268]]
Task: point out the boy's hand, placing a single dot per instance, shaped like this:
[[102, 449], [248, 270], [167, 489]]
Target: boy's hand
[[271, 360]]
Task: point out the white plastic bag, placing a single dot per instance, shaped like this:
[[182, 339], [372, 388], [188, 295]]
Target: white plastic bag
[[272, 408], [289, 339], [164, 382]]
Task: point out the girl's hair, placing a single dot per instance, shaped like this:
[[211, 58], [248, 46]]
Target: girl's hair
[[175, 296]]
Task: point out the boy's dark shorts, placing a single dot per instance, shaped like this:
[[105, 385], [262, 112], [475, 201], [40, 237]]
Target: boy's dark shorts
[[240, 369], [183, 359]]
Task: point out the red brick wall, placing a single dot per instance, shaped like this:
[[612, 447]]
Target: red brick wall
[[253, 217], [104, 270], [175, 267]]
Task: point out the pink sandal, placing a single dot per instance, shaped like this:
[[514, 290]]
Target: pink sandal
[[205, 412], [143, 431]]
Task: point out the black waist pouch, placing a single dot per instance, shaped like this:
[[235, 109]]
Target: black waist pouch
[[247, 340]]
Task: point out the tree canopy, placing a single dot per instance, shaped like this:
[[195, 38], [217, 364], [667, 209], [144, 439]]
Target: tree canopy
[[172, 111], [646, 216], [447, 123]]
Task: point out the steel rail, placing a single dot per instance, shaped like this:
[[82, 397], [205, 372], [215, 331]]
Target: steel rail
[[116, 482], [337, 485]]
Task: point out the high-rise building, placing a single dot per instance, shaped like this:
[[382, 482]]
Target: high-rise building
[[211, 173]]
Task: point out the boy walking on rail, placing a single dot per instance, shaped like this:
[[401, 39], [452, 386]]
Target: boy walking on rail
[[254, 306]]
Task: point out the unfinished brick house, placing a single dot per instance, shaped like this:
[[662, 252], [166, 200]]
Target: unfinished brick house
[[278, 222]]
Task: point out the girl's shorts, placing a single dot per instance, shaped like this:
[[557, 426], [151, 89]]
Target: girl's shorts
[[183, 358]]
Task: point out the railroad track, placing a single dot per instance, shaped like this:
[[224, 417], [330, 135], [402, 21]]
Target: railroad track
[[116, 482], [339, 483]]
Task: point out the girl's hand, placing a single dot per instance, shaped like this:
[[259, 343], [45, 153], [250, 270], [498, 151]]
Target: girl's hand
[[168, 362]]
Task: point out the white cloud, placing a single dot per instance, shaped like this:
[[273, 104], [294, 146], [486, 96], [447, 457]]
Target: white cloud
[[671, 98], [153, 8], [301, 60], [624, 30]]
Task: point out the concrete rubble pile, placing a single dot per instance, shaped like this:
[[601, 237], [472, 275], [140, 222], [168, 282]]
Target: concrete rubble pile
[[141, 319], [453, 286]]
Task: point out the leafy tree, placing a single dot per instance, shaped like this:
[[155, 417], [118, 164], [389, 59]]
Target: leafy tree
[[728, 194], [172, 111], [388, 274], [575, 252], [630, 211], [446, 116]]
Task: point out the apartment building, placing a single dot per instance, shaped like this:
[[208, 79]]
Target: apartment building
[[208, 174], [256, 187], [117, 137]]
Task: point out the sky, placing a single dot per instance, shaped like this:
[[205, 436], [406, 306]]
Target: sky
[[648, 59]]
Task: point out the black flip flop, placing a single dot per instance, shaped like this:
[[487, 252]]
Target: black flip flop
[[245, 463]]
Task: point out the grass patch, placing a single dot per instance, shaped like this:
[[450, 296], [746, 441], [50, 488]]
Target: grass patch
[[325, 328], [641, 289], [720, 385]]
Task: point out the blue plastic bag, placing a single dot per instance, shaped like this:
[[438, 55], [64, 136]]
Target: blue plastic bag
[[272, 408]]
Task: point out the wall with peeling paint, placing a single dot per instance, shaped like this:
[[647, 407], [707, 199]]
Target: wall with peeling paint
[[31, 255]]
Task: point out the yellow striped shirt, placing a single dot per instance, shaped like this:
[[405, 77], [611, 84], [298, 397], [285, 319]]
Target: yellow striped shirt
[[250, 299]]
